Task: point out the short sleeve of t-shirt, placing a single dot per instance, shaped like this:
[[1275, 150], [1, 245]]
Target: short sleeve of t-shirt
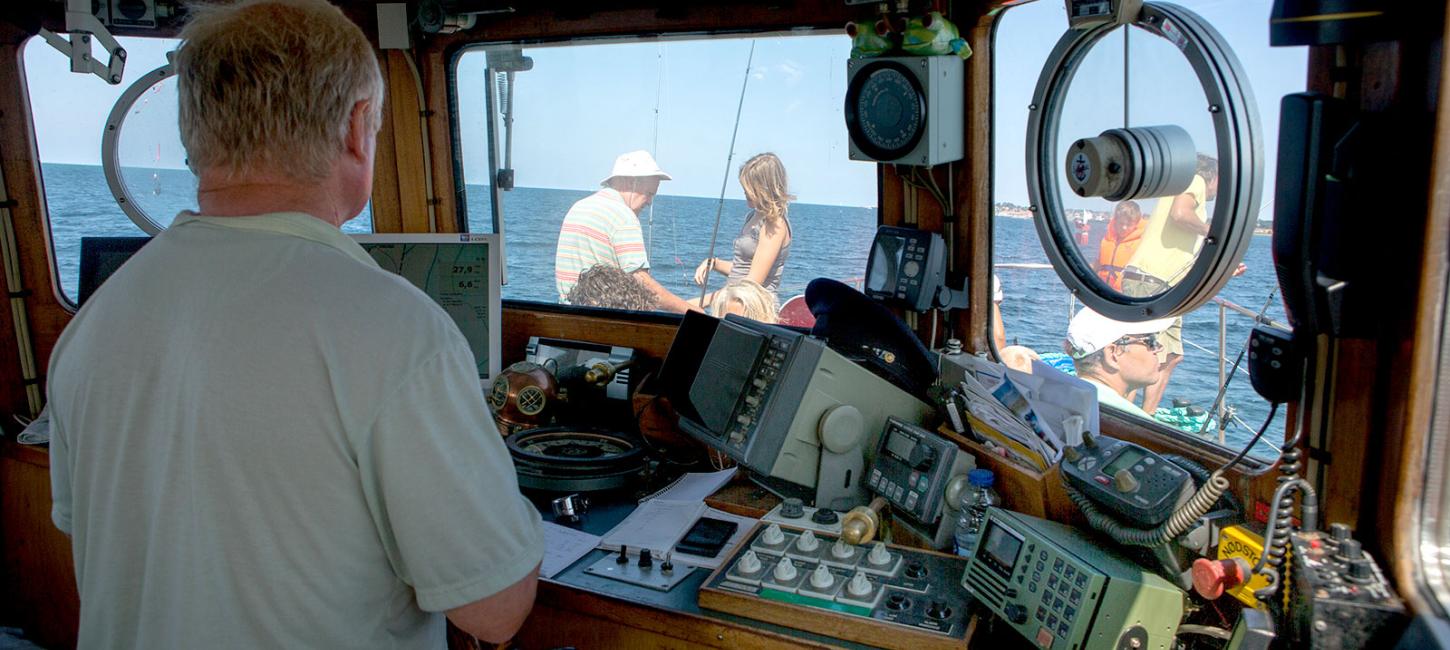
[[996, 289], [442, 488], [60, 485], [628, 242]]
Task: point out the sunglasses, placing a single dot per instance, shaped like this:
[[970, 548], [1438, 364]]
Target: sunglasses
[[1149, 341]]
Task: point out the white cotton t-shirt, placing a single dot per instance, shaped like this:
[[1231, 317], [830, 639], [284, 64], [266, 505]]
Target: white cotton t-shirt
[[261, 439]]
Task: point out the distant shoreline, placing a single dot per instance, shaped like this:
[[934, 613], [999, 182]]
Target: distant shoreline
[[1021, 213]]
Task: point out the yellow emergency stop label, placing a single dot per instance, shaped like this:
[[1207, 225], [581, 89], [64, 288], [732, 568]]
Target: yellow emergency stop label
[[1240, 542]]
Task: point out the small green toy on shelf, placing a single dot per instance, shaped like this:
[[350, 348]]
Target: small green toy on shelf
[[933, 35], [868, 39]]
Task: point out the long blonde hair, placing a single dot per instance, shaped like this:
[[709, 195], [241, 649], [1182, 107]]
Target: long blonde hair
[[755, 302], [763, 179]]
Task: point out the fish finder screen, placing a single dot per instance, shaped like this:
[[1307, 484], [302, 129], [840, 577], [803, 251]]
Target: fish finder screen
[[886, 254], [459, 273], [1001, 547]]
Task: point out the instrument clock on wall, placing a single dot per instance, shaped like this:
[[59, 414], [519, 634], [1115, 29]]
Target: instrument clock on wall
[[905, 110]]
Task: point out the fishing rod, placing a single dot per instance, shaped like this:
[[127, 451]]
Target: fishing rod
[[654, 149], [725, 182]]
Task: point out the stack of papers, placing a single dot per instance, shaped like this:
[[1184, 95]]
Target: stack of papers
[[564, 546], [1022, 413]]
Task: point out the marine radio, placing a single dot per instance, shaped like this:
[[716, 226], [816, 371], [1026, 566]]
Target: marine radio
[[1133, 482], [922, 475], [1062, 589], [782, 404]]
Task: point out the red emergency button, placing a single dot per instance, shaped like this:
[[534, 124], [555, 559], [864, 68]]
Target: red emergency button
[[1044, 638], [1212, 577]]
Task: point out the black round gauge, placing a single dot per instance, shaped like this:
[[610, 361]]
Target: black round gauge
[[885, 110]]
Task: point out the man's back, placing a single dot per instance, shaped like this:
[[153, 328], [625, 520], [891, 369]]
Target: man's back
[[599, 229], [1167, 248], [262, 440]]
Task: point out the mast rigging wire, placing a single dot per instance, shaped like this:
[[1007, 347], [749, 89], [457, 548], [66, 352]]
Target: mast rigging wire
[[729, 160]]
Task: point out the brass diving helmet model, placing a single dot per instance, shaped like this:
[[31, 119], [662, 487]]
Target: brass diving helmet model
[[523, 396]]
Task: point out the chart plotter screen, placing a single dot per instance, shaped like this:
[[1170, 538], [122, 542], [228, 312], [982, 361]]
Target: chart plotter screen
[[460, 273]]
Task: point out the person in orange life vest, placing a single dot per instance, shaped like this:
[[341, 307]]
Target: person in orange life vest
[[1120, 242]]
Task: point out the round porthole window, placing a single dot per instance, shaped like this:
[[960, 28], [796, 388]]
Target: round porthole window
[[1181, 180], [141, 153]]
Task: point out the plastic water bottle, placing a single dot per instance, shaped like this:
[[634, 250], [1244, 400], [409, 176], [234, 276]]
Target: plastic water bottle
[[973, 510]]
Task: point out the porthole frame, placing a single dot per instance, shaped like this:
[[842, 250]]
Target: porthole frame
[[1238, 136], [111, 142]]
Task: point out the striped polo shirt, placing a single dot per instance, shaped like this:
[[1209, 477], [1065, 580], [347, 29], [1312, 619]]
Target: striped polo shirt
[[599, 229]]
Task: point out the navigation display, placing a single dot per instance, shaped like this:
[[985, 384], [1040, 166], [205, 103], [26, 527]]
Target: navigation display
[[460, 273], [1002, 547]]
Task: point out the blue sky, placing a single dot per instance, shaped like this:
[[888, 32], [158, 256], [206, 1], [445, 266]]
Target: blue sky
[[581, 106]]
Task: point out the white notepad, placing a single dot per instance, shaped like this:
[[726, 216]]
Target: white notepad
[[657, 524]]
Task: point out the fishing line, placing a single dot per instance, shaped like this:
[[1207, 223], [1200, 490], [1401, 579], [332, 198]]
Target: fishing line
[[654, 148], [725, 182]]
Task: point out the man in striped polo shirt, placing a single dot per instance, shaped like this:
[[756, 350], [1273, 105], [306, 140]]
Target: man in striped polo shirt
[[603, 228]]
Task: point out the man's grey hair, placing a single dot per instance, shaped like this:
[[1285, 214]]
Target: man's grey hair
[[269, 86], [1086, 364], [1207, 167]]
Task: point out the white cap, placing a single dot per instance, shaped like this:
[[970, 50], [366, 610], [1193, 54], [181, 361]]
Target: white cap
[[1090, 331], [637, 164]]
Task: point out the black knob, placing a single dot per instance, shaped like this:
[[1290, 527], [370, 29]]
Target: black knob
[[921, 456], [1339, 532], [623, 555], [915, 570], [792, 508], [1350, 549], [825, 517], [897, 602], [646, 559], [1361, 571], [1015, 613]]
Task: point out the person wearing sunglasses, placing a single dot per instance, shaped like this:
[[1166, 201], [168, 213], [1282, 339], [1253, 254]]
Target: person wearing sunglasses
[[1116, 357]]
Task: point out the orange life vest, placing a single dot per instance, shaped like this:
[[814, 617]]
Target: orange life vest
[[1114, 253]]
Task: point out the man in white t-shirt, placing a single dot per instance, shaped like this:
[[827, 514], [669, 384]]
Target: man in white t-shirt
[[260, 438], [1116, 357]]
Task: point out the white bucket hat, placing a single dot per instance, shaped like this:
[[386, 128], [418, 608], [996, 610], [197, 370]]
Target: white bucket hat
[[637, 164], [1090, 331]]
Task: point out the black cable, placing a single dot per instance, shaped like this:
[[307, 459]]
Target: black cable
[[1273, 410]]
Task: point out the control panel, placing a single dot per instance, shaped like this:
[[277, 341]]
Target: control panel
[[906, 267], [1062, 589], [918, 472], [783, 405], [1129, 480], [1341, 598], [876, 594], [762, 382]]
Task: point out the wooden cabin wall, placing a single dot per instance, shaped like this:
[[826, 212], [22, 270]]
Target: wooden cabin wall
[[37, 580], [1370, 460], [1400, 504]]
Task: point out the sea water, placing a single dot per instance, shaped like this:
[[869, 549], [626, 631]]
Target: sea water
[[826, 241]]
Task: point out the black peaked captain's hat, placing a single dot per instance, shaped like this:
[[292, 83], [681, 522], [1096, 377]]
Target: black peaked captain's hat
[[868, 333]]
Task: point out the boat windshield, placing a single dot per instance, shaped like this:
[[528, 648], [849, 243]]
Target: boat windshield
[[579, 134]]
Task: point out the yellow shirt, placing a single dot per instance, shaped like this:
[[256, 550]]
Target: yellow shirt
[[1168, 249]]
